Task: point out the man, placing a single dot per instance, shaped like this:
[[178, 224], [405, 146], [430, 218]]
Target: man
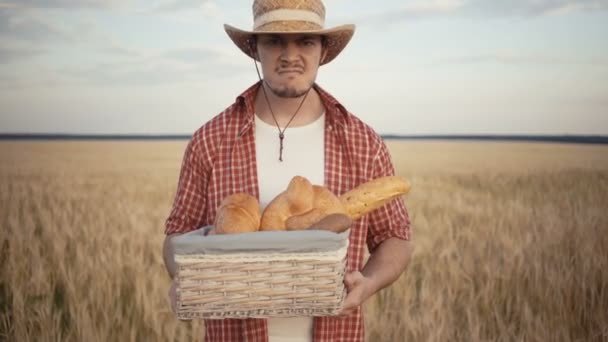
[[283, 126]]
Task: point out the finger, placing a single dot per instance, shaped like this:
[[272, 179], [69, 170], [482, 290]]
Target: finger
[[348, 305], [349, 280], [346, 311]]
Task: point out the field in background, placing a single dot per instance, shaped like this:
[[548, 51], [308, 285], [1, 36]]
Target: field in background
[[511, 243]]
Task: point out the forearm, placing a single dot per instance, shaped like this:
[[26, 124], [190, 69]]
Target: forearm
[[386, 264], [168, 256]]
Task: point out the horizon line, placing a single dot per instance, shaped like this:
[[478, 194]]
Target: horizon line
[[567, 138]]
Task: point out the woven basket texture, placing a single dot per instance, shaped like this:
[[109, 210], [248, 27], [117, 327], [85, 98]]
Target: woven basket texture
[[256, 285]]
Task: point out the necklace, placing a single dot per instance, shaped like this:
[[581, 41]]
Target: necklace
[[281, 131]]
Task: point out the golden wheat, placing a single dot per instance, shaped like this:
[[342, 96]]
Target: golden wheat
[[511, 243]]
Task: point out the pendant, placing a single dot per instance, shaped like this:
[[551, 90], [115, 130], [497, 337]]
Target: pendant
[[281, 137]]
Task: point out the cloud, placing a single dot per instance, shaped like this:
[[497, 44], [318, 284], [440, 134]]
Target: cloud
[[193, 55], [63, 4], [412, 10], [207, 8], [529, 8], [116, 49], [185, 11], [184, 65], [151, 72], [420, 9], [23, 27], [538, 7], [177, 5], [33, 29], [90, 35], [529, 58], [140, 72], [10, 54]]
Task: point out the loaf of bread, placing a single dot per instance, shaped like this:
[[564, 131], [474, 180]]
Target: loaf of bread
[[238, 213], [372, 195], [297, 198], [300, 206], [304, 205], [336, 223], [324, 203]]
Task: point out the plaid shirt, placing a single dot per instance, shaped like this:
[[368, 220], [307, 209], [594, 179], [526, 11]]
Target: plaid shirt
[[220, 160]]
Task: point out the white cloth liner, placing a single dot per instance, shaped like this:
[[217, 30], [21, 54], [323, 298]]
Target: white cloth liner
[[298, 241]]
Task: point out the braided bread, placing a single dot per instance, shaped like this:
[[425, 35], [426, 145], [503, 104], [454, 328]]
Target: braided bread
[[300, 206]]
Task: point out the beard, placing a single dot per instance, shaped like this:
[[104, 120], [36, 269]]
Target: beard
[[289, 92]]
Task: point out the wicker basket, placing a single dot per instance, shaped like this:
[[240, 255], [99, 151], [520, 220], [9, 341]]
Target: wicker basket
[[260, 284]]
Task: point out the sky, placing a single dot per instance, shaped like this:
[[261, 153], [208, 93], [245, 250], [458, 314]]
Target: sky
[[413, 67]]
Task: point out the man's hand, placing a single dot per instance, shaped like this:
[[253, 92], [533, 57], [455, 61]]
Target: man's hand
[[383, 267], [358, 289]]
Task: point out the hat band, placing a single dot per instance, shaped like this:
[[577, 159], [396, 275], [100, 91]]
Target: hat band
[[288, 15]]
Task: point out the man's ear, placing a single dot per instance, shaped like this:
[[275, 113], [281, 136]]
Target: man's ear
[[324, 50], [323, 55], [253, 49]]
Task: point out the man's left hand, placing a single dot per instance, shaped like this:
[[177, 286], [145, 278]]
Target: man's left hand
[[358, 289]]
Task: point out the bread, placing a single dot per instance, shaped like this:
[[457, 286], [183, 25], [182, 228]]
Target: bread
[[336, 223], [372, 195], [299, 206], [324, 203], [303, 205], [297, 198], [238, 213]]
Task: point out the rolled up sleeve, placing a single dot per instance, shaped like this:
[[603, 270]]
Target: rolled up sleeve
[[391, 220], [189, 205]]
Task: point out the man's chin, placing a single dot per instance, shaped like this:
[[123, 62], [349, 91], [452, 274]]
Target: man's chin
[[290, 92]]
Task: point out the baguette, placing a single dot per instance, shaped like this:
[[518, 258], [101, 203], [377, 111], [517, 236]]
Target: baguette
[[372, 195]]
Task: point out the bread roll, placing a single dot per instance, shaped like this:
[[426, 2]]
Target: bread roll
[[299, 194], [299, 206], [336, 223], [295, 200], [324, 203], [238, 213], [372, 195]]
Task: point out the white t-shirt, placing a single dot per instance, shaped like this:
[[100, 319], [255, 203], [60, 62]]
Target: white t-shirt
[[303, 155]]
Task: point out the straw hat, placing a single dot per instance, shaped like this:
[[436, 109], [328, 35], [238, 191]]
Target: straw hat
[[292, 16]]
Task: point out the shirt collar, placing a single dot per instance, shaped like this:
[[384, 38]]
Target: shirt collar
[[336, 113]]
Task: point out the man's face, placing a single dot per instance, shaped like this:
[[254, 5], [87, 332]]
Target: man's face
[[289, 62]]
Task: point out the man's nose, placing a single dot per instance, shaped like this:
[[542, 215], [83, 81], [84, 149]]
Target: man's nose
[[290, 51]]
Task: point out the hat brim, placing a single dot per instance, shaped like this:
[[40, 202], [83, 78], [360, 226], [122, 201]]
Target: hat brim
[[337, 38]]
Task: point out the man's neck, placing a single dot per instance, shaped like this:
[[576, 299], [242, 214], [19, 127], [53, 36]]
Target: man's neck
[[284, 108]]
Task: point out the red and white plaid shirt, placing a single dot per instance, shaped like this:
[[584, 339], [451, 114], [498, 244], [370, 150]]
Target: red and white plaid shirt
[[220, 160]]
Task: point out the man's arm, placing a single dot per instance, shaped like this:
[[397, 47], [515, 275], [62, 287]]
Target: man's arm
[[169, 252], [190, 201], [388, 239], [383, 267], [168, 255]]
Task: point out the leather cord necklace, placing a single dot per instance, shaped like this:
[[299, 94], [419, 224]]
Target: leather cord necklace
[[281, 131]]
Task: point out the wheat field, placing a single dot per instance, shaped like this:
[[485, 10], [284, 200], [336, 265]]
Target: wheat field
[[511, 243]]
